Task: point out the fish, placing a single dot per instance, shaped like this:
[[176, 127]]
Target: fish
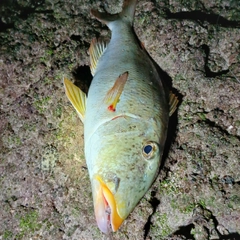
[[125, 115]]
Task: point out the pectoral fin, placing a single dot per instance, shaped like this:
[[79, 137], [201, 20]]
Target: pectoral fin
[[96, 50], [173, 102], [77, 97], [113, 95]]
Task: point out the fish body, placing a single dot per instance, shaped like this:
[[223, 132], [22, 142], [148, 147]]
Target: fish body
[[125, 117]]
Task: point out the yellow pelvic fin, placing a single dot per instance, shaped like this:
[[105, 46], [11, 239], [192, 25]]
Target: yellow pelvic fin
[[96, 50], [76, 96], [113, 95], [173, 102]]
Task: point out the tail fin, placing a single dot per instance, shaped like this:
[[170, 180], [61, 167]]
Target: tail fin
[[126, 15], [128, 11]]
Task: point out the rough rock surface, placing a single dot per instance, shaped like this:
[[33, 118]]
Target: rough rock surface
[[44, 186]]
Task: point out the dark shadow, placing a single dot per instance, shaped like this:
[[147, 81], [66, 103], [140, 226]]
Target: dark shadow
[[154, 202], [231, 236], [83, 78], [200, 16], [173, 120], [185, 231], [5, 26], [76, 38], [171, 135], [208, 72]]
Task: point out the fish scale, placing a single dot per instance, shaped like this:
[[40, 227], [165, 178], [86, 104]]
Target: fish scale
[[125, 119]]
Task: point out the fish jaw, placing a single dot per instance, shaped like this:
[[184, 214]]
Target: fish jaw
[[105, 207]]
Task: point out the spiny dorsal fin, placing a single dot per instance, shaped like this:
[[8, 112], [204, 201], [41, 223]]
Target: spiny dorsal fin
[[96, 50], [173, 102], [113, 95], [77, 97]]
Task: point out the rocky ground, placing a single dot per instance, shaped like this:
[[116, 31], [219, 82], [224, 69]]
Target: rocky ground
[[44, 186]]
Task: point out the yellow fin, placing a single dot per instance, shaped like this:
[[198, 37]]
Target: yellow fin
[[113, 95], [96, 50], [76, 96], [173, 102]]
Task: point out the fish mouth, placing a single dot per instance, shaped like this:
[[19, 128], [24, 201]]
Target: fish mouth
[[105, 207]]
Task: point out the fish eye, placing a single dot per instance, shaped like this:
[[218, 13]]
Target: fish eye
[[149, 149]]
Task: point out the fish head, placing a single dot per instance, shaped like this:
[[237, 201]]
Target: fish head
[[122, 164]]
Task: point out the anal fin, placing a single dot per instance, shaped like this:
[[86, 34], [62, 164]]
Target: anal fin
[[173, 102], [76, 96]]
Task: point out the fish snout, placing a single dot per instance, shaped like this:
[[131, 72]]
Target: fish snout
[[105, 206]]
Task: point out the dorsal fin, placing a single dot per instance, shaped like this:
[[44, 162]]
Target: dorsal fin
[[96, 50], [173, 102], [77, 97]]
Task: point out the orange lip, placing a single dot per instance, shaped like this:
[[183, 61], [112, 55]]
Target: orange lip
[[105, 207]]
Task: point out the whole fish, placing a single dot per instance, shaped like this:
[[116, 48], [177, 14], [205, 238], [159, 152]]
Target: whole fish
[[125, 118]]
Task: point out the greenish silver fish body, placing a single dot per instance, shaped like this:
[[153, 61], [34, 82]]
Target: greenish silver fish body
[[125, 119], [115, 141]]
